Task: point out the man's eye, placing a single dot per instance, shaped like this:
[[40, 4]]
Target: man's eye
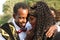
[[20, 17]]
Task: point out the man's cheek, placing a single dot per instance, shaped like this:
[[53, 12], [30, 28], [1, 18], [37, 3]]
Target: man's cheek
[[20, 20], [23, 24]]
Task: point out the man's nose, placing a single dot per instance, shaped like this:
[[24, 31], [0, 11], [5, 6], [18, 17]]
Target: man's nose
[[24, 20]]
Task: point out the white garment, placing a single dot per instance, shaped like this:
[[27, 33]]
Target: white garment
[[28, 26], [22, 35], [1, 38], [58, 26]]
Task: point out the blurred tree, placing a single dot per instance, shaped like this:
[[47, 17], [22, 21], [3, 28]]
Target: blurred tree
[[4, 18], [8, 7], [5, 8], [8, 10], [53, 3]]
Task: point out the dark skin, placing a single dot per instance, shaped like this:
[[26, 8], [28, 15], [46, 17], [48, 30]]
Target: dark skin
[[33, 21], [40, 8], [20, 17], [48, 34], [30, 33], [51, 30]]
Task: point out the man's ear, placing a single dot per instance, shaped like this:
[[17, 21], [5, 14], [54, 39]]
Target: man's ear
[[14, 16]]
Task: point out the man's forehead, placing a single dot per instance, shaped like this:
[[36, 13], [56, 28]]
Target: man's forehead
[[21, 10]]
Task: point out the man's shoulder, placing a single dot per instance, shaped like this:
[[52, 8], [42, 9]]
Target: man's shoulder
[[6, 25], [5, 28], [3, 33]]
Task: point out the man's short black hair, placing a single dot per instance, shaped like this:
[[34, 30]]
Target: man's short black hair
[[19, 5]]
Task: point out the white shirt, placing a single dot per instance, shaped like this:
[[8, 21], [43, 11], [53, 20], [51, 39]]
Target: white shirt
[[22, 35], [1, 38], [58, 26]]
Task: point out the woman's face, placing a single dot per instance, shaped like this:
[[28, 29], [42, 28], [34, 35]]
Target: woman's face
[[32, 21]]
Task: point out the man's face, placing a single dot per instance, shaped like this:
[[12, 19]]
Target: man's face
[[20, 17]]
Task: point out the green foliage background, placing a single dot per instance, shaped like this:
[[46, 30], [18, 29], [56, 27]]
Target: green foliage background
[[8, 7]]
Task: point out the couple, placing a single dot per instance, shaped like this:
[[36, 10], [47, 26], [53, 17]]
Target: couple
[[40, 18]]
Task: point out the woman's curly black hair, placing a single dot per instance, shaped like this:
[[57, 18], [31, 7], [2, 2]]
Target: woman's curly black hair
[[44, 20]]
